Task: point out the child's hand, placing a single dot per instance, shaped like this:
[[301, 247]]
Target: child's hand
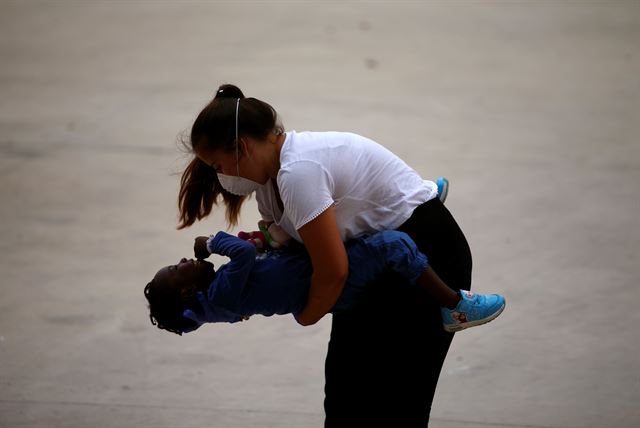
[[200, 249], [256, 238]]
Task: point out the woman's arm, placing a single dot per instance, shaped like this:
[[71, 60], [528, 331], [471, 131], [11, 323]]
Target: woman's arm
[[322, 240]]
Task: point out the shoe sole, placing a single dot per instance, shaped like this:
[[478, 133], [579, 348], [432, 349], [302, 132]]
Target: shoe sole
[[457, 327]]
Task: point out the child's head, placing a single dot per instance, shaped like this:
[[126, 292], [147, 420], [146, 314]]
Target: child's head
[[173, 289]]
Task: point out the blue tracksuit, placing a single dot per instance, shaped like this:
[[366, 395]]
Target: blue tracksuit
[[277, 282]]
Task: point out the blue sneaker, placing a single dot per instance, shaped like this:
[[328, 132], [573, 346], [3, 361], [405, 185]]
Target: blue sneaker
[[443, 188], [472, 310]]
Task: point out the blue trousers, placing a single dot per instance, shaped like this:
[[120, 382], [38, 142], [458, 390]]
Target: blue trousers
[[369, 256]]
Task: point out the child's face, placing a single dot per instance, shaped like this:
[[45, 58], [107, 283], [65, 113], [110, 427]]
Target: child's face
[[187, 275]]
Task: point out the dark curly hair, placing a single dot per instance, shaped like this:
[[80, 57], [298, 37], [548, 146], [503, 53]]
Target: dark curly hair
[[166, 306]]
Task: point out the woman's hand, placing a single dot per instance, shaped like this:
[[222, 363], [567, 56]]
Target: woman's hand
[[303, 320], [200, 249], [322, 240]]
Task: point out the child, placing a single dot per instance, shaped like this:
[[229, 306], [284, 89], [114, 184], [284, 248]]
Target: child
[[182, 297]]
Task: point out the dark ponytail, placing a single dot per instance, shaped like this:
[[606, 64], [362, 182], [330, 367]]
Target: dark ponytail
[[199, 191], [214, 129]]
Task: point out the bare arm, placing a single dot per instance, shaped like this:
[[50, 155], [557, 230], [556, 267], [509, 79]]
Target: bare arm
[[322, 240]]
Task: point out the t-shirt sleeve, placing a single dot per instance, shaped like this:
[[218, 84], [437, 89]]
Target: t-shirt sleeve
[[306, 189]]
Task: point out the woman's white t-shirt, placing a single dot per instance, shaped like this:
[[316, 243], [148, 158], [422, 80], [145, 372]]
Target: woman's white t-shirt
[[371, 188]]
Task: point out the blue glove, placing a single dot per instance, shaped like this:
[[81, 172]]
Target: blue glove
[[210, 313]]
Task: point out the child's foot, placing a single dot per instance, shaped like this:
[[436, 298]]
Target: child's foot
[[443, 188], [472, 310]]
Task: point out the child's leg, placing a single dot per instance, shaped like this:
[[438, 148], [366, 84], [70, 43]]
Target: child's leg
[[460, 310], [398, 252], [437, 289]]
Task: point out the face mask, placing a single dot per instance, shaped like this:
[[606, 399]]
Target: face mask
[[237, 185]]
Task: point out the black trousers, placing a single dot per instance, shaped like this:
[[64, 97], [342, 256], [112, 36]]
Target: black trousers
[[385, 355]]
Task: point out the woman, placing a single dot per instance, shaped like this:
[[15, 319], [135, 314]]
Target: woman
[[322, 189]]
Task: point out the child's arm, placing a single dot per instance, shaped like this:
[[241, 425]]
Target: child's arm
[[226, 289], [230, 281]]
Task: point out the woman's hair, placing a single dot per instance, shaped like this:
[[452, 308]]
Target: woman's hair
[[166, 306], [215, 129]]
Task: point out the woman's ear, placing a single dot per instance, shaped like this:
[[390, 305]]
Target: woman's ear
[[244, 147]]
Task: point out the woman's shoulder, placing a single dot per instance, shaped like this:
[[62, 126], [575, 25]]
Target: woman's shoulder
[[324, 137], [316, 146]]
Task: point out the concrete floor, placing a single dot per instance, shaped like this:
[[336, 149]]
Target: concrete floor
[[532, 109]]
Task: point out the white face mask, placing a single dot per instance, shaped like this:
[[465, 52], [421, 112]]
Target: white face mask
[[238, 185], [235, 184]]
